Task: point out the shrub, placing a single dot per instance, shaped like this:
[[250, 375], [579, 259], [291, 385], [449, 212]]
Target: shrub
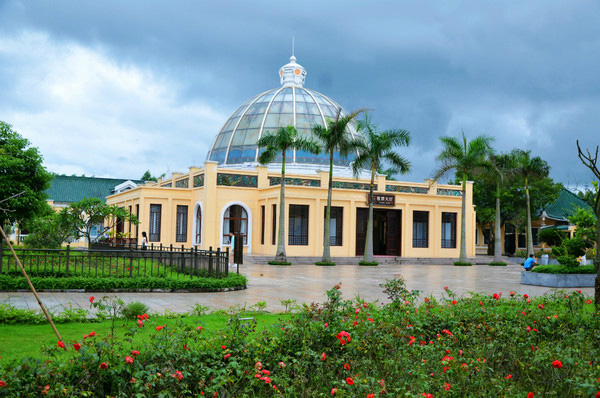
[[497, 264], [324, 263], [133, 309], [568, 261], [563, 269], [462, 264], [12, 283], [551, 236], [274, 262], [368, 263], [521, 253], [575, 246]]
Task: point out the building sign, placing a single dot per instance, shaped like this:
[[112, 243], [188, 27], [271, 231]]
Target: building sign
[[382, 200]]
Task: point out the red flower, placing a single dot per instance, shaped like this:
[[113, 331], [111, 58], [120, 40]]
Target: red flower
[[159, 327], [199, 328], [128, 359], [178, 375], [2, 384], [557, 364], [226, 356], [103, 365], [496, 296], [92, 298], [346, 366], [598, 394], [508, 377], [370, 395], [454, 302], [223, 347], [446, 288], [140, 323], [267, 380], [77, 346], [333, 390], [135, 353], [349, 381], [446, 386], [541, 307], [427, 395], [588, 301], [525, 296], [61, 344], [530, 395], [323, 356], [92, 334], [265, 371]]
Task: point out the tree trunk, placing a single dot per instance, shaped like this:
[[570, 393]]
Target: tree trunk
[[327, 242], [529, 237], [463, 233], [368, 256], [281, 256], [497, 232]]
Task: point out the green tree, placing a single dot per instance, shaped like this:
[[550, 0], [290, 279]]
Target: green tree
[[47, 232], [466, 158], [148, 177], [590, 160], [80, 217], [375, 149], [286, 139], [334, 137], [21, 170], [529, 168], [497, 172]]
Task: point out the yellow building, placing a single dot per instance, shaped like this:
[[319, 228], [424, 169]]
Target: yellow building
[[233, 193]]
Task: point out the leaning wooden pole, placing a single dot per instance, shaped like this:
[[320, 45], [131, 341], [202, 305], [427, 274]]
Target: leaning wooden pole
[[31, 286]]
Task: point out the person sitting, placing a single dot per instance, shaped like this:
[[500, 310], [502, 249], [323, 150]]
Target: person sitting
[[530, 263]]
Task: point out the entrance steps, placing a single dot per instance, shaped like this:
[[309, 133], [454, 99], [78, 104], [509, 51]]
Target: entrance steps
[[384, 260]]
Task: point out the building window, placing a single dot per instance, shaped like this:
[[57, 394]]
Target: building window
[[274, 226], [198, 239], [181, 225], [129, 226], [335, 226], [137, 214], [154, 233], [420, 229], [235, 220], [262, 225], [477, 236], [449, 230], [298, 231]]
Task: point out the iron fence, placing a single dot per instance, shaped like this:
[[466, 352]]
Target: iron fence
[[111, 261]]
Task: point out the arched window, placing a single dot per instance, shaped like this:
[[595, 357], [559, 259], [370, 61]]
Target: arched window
[[235, 220], [198, 226]]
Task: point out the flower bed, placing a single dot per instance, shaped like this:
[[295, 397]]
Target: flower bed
[[494, 345]]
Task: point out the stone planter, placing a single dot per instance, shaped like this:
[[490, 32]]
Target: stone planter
[[557, 280]]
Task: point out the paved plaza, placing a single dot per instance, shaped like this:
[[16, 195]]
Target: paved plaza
[[308, 283]]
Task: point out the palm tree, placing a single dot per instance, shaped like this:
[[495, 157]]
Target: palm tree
[[285, 139], [501, 167], [373, 150], [529, 168], [334, 138], [465, 158]]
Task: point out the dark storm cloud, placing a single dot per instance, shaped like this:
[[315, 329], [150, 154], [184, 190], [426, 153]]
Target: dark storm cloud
[[524, 73]]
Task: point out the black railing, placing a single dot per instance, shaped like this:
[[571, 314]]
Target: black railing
[[103, 260]]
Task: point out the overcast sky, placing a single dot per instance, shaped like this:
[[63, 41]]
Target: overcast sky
[[114, 88]]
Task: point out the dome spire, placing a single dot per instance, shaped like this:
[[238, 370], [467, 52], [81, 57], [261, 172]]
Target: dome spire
[[292, 74]]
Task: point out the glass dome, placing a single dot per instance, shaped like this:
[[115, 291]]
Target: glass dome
[[291, 104]]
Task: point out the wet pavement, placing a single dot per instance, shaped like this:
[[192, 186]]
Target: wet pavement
[[308, 283]]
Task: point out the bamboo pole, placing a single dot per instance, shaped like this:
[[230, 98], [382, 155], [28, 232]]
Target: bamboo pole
[[31, 286]]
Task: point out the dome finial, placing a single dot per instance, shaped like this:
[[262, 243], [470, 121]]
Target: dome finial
[[292, 74]]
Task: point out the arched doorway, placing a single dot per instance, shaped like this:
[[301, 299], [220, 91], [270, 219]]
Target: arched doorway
[[235, 219]]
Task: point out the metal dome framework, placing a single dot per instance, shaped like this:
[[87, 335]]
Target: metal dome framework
[[291, 104]]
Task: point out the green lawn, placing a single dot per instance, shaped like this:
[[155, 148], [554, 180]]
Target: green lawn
[[17, 341]]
